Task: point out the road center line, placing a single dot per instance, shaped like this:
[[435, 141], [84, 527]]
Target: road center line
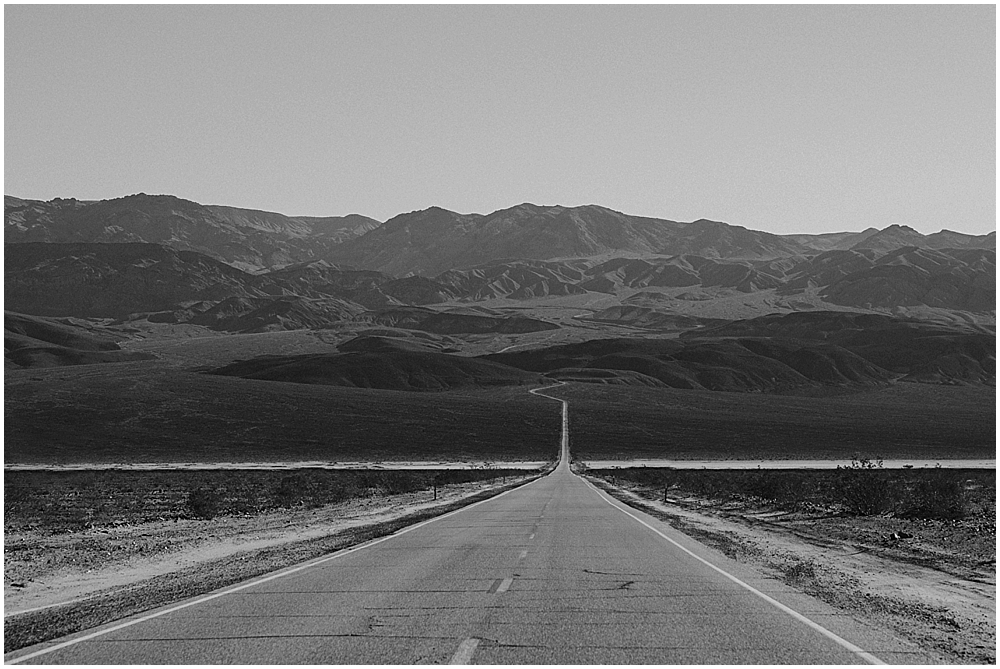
[[465, 651], [249, 584], [506, 584], [523, 555]]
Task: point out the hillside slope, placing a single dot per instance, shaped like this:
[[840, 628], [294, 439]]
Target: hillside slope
[[30, 341], [779, 353], [916, 350]]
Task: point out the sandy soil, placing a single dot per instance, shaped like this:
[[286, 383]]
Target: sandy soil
[[936, 585], [45, 570]]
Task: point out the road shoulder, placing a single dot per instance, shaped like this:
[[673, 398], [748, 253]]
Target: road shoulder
[[213, 565], [950, 618]]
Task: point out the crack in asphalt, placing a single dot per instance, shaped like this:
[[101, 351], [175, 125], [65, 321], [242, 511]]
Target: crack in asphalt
[[611, 573]]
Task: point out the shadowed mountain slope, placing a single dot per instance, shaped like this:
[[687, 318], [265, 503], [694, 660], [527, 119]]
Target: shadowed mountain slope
[[392, 366], [122, 280], [114, 280]]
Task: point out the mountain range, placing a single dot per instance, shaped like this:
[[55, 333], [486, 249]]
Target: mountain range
[[430, 241], [244, 238], [132, 280], [171, 260]]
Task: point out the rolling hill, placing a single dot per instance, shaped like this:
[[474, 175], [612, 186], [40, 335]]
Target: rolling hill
[[736, 365], [779, 353], [384, 364], [30, 341], [915, 350]]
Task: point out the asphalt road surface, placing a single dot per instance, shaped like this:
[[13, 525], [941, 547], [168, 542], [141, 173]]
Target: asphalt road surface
[[551, 572]]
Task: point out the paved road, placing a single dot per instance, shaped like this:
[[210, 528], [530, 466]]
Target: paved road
[[552, 572]]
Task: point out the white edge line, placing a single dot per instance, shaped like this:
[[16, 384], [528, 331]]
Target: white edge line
[[255, 582], [265, 579], [465, 651], [865, 655]]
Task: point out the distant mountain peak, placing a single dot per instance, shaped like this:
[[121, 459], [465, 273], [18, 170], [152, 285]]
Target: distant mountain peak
[[244, 238]]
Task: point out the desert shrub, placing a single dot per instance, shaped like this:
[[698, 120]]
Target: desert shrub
[[290, 490], [310, 489], [774, 486], [71, 501], [939, 494], [864, 489], [800, 573], [16, 499], [203, 503], [399, 482]]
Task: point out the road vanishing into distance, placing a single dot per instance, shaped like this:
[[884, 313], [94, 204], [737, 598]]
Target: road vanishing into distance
[[554, 571]]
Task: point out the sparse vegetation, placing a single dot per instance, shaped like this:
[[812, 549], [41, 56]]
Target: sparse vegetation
[[71, 501], [862, 493], [797, 525], [862, 489], [202, 503]]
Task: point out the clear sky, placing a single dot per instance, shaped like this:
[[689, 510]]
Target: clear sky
[[780, 118]]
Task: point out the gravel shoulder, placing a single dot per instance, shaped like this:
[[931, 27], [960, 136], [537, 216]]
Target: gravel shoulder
[[935, 586]]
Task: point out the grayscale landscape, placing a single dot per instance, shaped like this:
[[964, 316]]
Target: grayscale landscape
[[540, 433]]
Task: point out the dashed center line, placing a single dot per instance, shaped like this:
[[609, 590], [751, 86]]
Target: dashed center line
[[465, 651], [531, 537], [523, 555], [506, 584]]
